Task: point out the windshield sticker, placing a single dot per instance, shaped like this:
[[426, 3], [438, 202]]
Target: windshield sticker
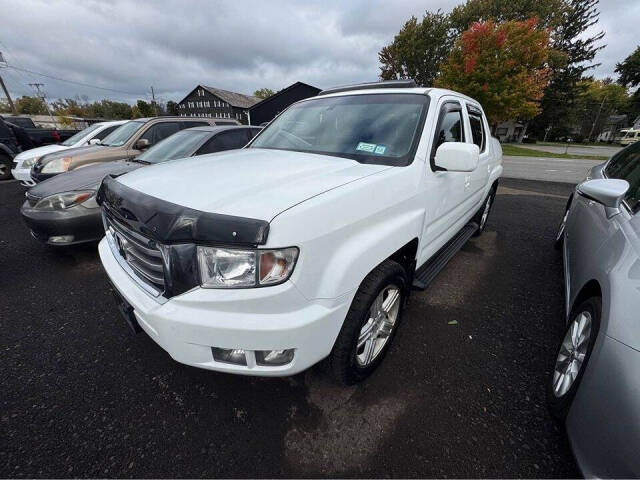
[[371, 148], [366, 147], [380, 149]]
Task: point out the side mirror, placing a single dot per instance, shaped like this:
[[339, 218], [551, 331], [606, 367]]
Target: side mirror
[[94, 141], [608, 192], [457, 156], [141, 144]]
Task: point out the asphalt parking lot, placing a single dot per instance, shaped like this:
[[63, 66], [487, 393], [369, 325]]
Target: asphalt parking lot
[[461, 393]]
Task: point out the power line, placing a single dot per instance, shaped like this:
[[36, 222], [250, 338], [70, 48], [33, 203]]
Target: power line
[[73, 82]]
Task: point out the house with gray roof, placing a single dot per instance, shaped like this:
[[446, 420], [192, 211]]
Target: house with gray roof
[[212, 102]]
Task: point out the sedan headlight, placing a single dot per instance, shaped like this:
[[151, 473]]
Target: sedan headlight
[[238, 268], [59, 165], [62, 201]]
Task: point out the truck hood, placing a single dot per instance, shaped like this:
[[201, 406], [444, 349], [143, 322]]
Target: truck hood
[[82, 178], [252, 182], [73, 152]]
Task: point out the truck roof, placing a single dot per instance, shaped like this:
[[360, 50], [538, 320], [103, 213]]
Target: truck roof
[[391, 86]]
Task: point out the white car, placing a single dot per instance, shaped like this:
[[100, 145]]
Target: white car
[[304, 245], [23, 162]]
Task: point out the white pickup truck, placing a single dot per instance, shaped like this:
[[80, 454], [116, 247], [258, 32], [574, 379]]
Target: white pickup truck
[[305, 244]]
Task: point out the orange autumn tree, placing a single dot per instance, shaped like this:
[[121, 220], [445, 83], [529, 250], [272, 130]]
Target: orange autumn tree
[[502, 65]]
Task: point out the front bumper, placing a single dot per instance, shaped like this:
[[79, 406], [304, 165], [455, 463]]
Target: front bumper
[[84, 224], [187, 326], [23, 174]]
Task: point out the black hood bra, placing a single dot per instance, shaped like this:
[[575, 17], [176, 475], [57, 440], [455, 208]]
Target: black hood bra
[[169, 223]]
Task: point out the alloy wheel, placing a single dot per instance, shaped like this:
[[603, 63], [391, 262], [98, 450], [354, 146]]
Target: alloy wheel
[[573, 352], [377, 330]]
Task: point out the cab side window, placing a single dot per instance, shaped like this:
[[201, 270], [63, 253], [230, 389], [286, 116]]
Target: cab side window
[[626, 166], [160, 131], [450, 127], [229, 140], [103, 133], [477, 127]]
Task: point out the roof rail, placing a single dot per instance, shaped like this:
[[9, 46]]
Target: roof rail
[[371, 85]]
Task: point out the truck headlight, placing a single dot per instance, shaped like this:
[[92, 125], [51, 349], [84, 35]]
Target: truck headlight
[[61, 201], [240, 268], [59, 165]]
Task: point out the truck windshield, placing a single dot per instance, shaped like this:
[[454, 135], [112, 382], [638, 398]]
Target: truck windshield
[[178, 145], [71, 141], [120, 135], [370, 128]]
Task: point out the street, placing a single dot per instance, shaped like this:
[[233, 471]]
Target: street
[[461, 393], [548, 169]]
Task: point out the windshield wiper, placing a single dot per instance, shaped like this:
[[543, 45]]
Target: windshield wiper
[[137, 160]]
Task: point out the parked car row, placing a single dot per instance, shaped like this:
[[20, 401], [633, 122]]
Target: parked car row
[[304, 245]]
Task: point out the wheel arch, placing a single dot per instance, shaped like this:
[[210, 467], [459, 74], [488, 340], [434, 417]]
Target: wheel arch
[[590, 289]]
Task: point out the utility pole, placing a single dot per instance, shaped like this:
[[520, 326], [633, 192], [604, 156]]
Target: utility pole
[[153, 102], [43, 96], [3, 64], [597, 116]]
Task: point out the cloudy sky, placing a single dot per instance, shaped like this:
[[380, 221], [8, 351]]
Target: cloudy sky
[[129, 46]]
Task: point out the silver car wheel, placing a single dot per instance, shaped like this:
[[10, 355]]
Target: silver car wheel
[[375, 333], [573, 352], [485, 213]]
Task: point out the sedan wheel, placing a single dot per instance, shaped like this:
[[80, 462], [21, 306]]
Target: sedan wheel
[[573, 352], [573, 356]]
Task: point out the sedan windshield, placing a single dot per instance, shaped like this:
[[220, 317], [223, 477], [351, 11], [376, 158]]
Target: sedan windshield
[[120, 135], [371, 128], [178, 145], [71, 141]]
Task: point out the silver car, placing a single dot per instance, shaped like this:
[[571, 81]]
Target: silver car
[[595, 383]]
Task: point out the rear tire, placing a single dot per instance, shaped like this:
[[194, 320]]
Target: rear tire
[[573, 356], [368, 329], [5, 167]]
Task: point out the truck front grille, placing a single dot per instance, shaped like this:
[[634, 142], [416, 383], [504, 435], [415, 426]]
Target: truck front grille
[[141, 253]]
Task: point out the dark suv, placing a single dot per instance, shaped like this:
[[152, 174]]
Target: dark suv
[[8, 149]]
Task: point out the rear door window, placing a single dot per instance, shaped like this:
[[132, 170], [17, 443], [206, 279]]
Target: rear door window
[[477, 127]]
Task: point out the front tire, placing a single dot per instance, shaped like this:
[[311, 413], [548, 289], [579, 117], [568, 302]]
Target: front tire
[[573, 355], [370, 324], [5, 167]]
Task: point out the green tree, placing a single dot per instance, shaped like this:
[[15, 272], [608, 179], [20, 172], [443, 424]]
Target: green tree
[[263, 93], [142, 109], [579, 51], [172, 108], [629, 69], [418, 49], [599, 100], [4, 106], [548, 12], [30, 106], [503, 66]]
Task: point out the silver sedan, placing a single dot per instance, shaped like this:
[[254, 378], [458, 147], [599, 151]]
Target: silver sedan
[[595, 383]]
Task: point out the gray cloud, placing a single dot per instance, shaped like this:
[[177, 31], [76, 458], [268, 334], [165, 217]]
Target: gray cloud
[[240, 46]]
